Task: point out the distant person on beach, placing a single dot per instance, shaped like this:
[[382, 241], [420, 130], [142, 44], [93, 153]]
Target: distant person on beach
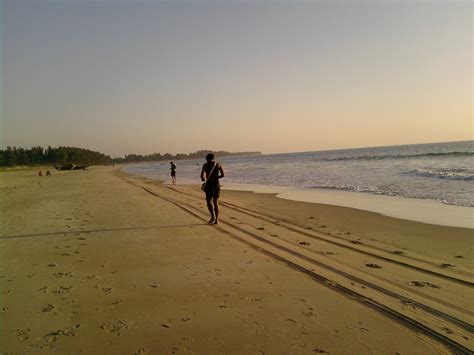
[[211, 172], [173, 173], [40, 173]]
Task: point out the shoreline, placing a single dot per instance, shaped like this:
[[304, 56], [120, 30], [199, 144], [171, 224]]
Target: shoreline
[[410, 209]]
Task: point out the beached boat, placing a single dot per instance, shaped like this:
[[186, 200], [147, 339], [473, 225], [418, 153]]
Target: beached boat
[[71, 167]]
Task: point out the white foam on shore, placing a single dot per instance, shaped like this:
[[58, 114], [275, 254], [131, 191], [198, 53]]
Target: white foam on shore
[[426, 211]]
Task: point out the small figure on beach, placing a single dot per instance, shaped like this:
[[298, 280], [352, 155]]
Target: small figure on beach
[[48, 173], [173, 173], [40, 173], [211, 172]]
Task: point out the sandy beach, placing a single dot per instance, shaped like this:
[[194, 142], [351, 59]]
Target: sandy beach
[[100, 262]]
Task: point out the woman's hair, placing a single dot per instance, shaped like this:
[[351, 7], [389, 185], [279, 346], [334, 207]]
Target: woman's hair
[[210, 157]]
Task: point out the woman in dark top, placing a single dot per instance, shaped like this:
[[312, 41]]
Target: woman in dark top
[[211, 172], [173, 173]]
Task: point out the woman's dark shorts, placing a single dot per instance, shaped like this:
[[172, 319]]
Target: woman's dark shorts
[[212, 192]]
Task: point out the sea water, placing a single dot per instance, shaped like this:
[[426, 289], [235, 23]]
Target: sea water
[[440, 171]]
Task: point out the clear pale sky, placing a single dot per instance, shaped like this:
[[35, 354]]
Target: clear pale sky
[[177, 76]]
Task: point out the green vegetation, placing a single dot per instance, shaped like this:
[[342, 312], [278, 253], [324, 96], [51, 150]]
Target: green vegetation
[[200, 154], [53, 156], [70, 155]]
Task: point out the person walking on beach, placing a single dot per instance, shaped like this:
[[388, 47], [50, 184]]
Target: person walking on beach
[[173, 173], [211, 172]]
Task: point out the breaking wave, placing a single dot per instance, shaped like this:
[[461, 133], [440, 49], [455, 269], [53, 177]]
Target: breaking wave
[[402, 156], [449, 174]]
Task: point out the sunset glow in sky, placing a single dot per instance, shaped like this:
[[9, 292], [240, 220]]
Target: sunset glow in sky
[[177, 76]]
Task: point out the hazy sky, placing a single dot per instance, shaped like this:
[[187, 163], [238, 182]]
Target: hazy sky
[[177, 76]]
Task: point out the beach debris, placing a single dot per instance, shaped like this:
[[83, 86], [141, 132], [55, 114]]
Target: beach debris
[[459, 257], [319, 351], [154, 285], [324, 226], [261, 228], [398, 252], [448, 331], [374, 266], [304, 243], [447, 265], [165, 325], [423, 284], [311, 217], [4, 309], [356, 242]]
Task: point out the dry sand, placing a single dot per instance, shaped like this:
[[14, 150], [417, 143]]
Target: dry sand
[[93, 263]]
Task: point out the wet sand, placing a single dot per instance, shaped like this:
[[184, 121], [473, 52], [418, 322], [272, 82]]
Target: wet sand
[[97, 262]]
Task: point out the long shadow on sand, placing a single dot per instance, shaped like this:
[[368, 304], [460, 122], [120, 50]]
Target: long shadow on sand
[[77, 232]]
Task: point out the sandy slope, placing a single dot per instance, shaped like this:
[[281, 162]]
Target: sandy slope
[[94, 264]]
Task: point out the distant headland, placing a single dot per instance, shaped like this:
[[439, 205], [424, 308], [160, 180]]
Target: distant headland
[[14, 156]]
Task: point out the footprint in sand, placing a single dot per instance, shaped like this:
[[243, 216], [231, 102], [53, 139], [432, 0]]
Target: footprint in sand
[[62, 289], [69, 332], [47, 308], [60, 275], [23, 334], [116, 327], [107, 290]]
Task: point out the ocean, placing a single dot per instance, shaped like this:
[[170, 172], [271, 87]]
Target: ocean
[[439, 171]]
